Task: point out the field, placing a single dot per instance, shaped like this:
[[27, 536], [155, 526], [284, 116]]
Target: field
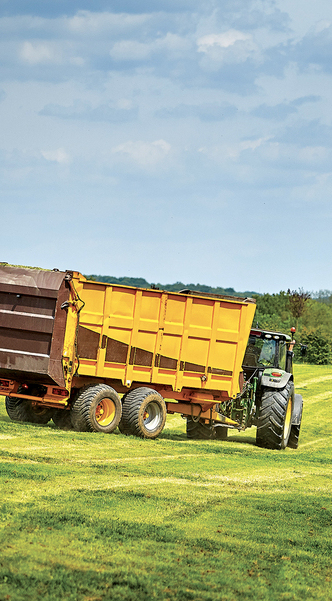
[[89, 517]]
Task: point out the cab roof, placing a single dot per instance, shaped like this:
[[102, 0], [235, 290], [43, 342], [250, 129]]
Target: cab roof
[[268, 334]]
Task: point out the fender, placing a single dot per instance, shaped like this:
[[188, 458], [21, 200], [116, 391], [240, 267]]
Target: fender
[[273, 377], [297, 410]]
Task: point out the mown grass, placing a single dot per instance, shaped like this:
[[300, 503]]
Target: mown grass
[[91, 517]]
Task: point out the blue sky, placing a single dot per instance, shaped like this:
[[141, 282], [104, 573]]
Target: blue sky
[[170, 140]]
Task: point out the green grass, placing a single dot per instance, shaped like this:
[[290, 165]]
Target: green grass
[[91, 517]]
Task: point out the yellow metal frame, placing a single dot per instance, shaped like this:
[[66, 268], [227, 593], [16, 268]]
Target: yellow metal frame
[[169, 340]]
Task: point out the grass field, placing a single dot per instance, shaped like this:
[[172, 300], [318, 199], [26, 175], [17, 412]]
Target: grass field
[[92, 517]]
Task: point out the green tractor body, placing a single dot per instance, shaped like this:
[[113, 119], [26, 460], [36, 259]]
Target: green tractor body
[[267, 400]]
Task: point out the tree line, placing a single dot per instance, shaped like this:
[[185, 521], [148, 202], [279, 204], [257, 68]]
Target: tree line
[[142, 283], [310, 314]]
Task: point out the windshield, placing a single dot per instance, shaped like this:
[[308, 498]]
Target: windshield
[[260, 352]]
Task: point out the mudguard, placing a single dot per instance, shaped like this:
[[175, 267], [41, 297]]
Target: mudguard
[[297, 410], [273, 377]]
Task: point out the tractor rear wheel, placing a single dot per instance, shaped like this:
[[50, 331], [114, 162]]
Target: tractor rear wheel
[[143, 413], [96, 409], [275, 417], [293, 441], [21, 410]]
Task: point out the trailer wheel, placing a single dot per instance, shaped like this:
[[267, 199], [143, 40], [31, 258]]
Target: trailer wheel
[[143, 413], [198, 430], [62, 419], [123, 427], [96, 409], [275, 417], [21, 410]]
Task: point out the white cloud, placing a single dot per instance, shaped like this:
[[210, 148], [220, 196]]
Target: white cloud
[[145, 154], [95, 23], [130, 50], [229, 47], [223, 152], [223, 40], [38, 52], [57, 156], [313, 154]]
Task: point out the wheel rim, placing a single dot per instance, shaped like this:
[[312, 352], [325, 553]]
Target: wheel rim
[[288, 419], [105, 412], [152, 416]]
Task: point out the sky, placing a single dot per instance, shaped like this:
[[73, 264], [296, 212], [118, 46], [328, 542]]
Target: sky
[[172, 140]]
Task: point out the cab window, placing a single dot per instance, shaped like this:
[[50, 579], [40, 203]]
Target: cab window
[[282, 354], [260, 352]]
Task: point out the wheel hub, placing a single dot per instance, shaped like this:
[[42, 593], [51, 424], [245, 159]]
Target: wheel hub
[[105, 412]]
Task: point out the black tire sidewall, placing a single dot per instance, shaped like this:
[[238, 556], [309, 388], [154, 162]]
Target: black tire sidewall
[[21, 410]]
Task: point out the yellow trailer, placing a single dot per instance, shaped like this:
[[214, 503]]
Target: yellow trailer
[[97, 356]]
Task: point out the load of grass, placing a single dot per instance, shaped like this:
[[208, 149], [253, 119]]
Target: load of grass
[[97, 517]]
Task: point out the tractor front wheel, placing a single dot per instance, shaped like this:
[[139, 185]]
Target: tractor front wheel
[[275, 417], [202, 431], [197, 430]]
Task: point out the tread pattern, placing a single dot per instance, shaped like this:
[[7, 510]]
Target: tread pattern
[[20, 410], [293, 441], [221, 433], [201, 431], [134, 405], [271, 419], [198, 430], [84, 406], [123, 427], [62, 419]]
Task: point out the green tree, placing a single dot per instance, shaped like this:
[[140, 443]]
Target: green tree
[[297, 303]]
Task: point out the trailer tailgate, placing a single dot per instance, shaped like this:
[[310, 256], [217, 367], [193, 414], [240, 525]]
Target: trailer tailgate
[[32, 324]]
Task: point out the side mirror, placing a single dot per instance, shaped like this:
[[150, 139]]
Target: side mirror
[[303, 350]]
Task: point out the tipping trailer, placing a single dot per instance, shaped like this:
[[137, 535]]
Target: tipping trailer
[[94, 356]]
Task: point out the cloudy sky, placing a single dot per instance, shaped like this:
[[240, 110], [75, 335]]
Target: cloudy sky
[[169, 139]]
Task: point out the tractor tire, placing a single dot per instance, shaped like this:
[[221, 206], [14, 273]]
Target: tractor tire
[[198, 430], [143, 413], [62, 419], [96, 408], [21, 410], [275, 417], [221, 433], [293, 441], [201, 431]]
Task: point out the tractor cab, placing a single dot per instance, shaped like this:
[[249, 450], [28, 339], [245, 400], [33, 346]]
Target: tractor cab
[[267, 349]]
